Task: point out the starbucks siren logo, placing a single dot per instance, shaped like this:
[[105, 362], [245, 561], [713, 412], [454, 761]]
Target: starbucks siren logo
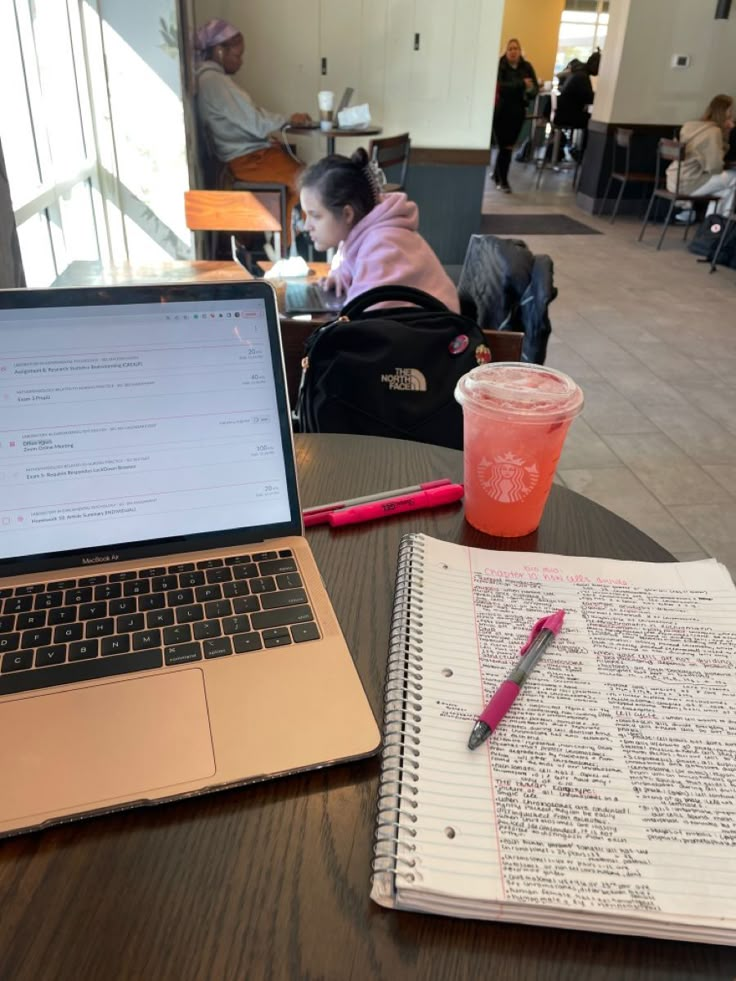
[[507, 478]]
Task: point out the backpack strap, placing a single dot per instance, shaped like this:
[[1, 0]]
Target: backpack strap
[[392, 294]]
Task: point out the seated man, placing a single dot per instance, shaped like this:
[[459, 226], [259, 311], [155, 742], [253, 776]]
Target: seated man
[[576, 95], [244, 136]]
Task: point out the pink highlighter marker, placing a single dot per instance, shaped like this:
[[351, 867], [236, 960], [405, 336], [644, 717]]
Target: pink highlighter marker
[[319, 515], [433, 497], [543, 633]]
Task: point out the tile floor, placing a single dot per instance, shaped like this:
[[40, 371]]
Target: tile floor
[[651, 338]]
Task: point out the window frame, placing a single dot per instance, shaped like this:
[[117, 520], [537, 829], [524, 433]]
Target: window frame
[[49, 192]]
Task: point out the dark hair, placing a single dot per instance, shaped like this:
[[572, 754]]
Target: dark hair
[[594, 62], [344, 180]]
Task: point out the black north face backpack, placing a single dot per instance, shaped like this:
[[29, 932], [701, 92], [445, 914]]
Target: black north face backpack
[[389, 372]]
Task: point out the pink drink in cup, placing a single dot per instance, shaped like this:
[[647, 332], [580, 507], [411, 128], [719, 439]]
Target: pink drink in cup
[[515, 420]]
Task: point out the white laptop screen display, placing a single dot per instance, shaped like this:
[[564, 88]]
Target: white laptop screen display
[[137, 422]]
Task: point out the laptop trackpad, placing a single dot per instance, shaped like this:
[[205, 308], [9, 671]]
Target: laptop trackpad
[[81, 748]]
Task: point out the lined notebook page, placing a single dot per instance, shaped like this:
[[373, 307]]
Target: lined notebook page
[[607, 792]]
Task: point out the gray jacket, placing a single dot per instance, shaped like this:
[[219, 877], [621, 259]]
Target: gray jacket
[[235, 125]]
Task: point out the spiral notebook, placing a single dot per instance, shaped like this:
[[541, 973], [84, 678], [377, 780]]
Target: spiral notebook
[[605, 799]]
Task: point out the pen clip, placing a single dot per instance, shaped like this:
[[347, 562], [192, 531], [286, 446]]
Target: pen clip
[[551, 622]]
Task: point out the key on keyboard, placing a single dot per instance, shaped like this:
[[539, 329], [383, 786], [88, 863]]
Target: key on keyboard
[[68, 631]]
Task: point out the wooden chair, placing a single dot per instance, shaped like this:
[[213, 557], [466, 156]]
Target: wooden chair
[[294, 334], [215, 175], [227, 211], [505, 345], [392, 151], [621, 169], [273, 196], [671, 151]]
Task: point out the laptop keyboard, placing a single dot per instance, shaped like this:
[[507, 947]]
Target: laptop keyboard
[[309, 296], [74, 630]]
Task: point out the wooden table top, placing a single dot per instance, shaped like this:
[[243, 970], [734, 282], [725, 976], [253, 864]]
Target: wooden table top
[[272, 881], [94, 273]]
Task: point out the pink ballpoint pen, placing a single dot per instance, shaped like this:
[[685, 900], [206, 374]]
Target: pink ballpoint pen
[[543, 633]]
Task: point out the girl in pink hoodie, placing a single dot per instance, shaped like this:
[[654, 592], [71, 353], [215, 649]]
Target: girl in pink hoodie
[[377, 234]]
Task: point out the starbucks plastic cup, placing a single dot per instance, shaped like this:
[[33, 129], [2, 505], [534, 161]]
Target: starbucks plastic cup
[[515, 420], [326, 102]]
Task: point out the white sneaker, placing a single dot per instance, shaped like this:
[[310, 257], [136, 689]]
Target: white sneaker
[[687, 217]]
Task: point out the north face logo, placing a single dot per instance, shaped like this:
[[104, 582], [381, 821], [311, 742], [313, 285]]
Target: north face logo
[[405, 380]]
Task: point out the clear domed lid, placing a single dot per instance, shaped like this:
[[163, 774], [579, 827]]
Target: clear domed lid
[[522, 391]]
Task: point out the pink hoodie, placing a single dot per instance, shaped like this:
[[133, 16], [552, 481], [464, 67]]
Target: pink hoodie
[[385, 247]]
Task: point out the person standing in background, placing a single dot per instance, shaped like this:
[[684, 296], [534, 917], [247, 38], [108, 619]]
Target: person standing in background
[[516, 86], [245, 137]]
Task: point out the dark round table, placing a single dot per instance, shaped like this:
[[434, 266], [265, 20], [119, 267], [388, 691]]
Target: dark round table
[[272, 880], [332, 134]]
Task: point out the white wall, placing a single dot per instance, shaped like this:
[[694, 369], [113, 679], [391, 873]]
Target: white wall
[[637, 83], [450, 106], [536, 23]]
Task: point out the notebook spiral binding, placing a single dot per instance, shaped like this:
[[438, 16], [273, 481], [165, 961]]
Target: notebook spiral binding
[[393, 849]]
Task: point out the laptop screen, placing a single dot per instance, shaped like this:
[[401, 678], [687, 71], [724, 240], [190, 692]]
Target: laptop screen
[[344, 100], [137, 415]]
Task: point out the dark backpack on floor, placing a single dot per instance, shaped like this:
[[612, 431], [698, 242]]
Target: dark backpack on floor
[[389, 372], [706, 241]]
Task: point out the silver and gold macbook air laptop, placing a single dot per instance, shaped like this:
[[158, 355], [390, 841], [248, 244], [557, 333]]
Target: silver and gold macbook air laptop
[[164, 630]]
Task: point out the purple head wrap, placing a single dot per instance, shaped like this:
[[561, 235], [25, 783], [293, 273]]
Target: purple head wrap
[[215, 31]]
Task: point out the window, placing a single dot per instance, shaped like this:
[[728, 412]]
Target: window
[[92, 130], [46, 132], [583, 28]]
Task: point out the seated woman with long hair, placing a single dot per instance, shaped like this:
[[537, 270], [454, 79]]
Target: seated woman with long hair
[[702, 172]]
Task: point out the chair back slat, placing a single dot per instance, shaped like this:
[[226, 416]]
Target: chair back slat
[[227, 211], [294, 334], [621, 152], [392, 151], [671, 150], [505, 345]]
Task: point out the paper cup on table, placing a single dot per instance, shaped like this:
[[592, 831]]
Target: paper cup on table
[[515, 420], [326, 102]]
